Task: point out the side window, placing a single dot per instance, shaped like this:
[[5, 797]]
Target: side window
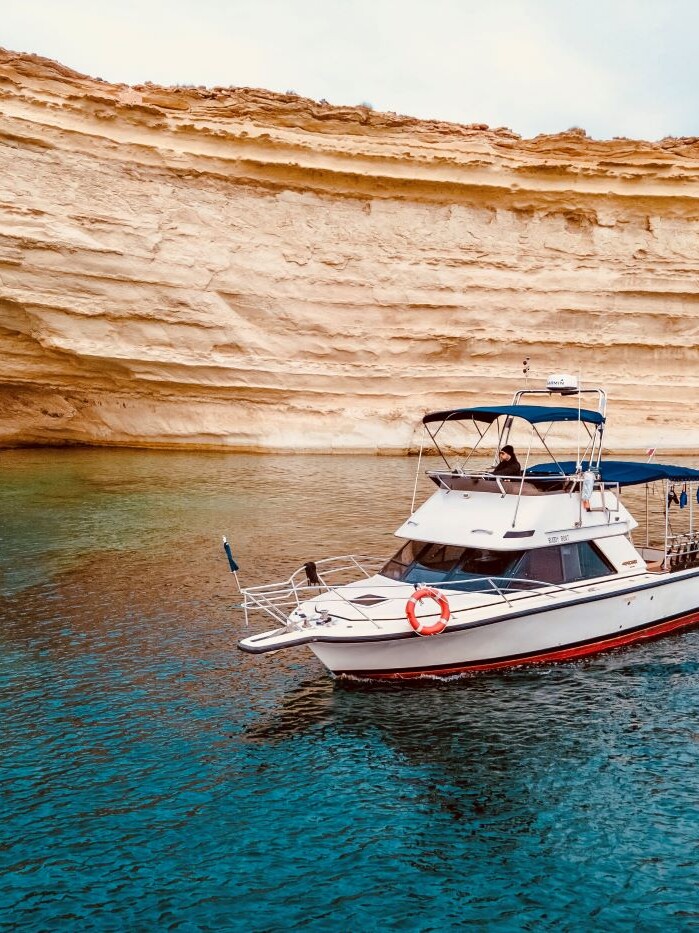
[[582, 561], [565, 564], [542, 565], [570, 555]]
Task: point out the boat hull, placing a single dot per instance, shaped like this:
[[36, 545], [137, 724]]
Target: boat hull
[[542, 636]]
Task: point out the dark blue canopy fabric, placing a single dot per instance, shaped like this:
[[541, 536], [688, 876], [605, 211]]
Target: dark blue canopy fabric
[[624, 472], [534, 414]]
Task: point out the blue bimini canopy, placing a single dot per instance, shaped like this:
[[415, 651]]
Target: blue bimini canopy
[[624, 472], [534, 414]]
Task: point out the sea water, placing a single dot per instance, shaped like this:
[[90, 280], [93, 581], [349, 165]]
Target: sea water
[[153, 777]]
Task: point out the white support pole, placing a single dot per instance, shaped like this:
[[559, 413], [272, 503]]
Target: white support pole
[[524, 475], [691, 513], [417, 472], [647, 518], [577, 462]]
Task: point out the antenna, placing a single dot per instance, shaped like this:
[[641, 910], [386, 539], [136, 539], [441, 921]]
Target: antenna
[[525, 370], [578, 463]]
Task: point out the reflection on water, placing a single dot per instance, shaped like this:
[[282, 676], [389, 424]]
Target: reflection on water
[[154, 777]]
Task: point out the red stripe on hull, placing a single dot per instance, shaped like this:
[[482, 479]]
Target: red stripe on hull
[[565, 654]]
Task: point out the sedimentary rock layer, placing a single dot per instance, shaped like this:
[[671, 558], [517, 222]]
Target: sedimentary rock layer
[[235, 268]]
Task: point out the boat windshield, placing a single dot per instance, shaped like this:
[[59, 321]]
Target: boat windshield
[[461, 568], [453, 567]]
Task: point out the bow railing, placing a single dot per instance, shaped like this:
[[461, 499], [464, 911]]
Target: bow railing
[[311, 579]]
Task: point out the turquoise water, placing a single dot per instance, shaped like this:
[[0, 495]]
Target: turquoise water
[[155, 778]]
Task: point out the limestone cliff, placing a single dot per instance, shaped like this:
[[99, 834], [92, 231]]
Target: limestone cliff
[[231, 267]]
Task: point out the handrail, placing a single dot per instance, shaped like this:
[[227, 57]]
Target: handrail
[[355, 561], [278, 599], [576, 480], [556, 586], [535, 477], [681, 548]]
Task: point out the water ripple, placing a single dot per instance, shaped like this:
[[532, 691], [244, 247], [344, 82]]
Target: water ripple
[[155, 778]]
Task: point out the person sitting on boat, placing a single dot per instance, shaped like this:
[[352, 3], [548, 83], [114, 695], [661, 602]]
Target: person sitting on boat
[[508, 464]]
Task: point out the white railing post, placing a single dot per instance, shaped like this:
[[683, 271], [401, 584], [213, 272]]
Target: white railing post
[[417, 471]]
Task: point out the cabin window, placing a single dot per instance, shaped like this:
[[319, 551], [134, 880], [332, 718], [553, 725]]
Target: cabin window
[[455, 567], [565, 564], [417, 562], [542, 565], [483, 563], [469, 568], [583, 561]]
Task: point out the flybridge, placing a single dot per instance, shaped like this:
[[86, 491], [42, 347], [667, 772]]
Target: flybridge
[[590, 422], [560, 384]]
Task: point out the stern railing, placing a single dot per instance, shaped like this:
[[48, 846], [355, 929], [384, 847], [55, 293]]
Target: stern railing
[[682, 550]]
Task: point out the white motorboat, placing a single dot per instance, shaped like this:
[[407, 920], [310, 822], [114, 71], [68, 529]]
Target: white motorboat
[[497, 571]]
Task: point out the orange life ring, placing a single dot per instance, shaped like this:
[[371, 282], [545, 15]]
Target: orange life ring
[[420, 627]]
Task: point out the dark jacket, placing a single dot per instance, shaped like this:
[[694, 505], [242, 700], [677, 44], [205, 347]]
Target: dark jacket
[[510, 467]]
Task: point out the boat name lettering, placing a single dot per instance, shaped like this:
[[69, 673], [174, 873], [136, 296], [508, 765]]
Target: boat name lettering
[[558, 539]]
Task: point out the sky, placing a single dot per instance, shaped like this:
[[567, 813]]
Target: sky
[[611, 67]]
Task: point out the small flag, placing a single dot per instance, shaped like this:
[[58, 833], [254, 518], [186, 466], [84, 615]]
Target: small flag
[[227, 548], [651, 453]]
